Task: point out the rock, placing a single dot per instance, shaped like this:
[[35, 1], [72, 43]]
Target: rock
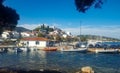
[[87, 69]]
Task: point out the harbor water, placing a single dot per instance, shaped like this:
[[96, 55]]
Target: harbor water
[[68, 62]]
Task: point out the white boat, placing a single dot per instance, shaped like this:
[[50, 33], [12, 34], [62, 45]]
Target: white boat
[[24, 49], [11, 50], [32, 48], [1, 50], [83, 48], [107, 51], [75, 50], [17, 49]]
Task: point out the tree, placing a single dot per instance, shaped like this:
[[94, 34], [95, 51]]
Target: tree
[[37, 29], [83, 38], [83, 5], [40, 35], [8, 17], [47, 29], [57, 38], [43, 27]]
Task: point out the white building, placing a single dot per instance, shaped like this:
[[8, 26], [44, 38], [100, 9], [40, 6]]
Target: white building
[[5, 35], [10, 35], [25, 34], [65, 35], [38, 42], [68, 33]]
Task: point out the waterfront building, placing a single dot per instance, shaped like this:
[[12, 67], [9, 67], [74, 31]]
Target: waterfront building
[[38, 42]]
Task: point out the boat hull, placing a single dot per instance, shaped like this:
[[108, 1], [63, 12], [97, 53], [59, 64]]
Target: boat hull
[[107, 51], [50, 49], [75, 50]]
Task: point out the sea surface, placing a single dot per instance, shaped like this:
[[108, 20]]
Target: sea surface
[[69, 62], [63, 61]]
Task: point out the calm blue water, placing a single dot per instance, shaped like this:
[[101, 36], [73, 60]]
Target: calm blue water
[[64, 61]]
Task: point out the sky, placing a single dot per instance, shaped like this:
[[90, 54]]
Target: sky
[[63, 14]]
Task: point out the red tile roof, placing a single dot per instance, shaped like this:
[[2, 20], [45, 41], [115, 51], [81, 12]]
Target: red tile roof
[[34, 39]]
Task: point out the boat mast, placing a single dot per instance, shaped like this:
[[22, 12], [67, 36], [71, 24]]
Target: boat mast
[[80, 32]]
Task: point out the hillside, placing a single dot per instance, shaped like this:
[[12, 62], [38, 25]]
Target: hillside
[[21, 29], [97, 37]]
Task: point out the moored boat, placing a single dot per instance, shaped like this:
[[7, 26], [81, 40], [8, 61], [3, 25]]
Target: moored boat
[[82, 48], [74, 50], [17, 49], [24, 49], [32, 48], [107, 51], [50, 49], [2, 50]]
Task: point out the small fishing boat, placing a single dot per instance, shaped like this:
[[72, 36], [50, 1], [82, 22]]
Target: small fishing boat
[[17, 49], [50, 49], [3, 50], [75, 50], [24, 49], [80, 46], [11, 50], [33, 48], [107, 51], [83, 48]]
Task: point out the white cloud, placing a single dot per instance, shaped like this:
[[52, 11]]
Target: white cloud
[[29, 26], [57, 25], [32, 26]]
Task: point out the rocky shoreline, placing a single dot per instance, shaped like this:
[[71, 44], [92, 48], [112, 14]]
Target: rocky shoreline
[[24, 71], [86, 69]]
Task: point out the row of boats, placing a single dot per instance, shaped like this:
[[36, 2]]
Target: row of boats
[[17, 49], [80, 48], [85, 49], [26, 49]]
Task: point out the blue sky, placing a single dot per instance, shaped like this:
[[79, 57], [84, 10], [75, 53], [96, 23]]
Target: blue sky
[[63, 14]]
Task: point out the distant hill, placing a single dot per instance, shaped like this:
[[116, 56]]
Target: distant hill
[[21, 29], [97, 37]]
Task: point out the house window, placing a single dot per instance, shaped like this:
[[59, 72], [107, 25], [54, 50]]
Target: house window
[[37, 42]]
